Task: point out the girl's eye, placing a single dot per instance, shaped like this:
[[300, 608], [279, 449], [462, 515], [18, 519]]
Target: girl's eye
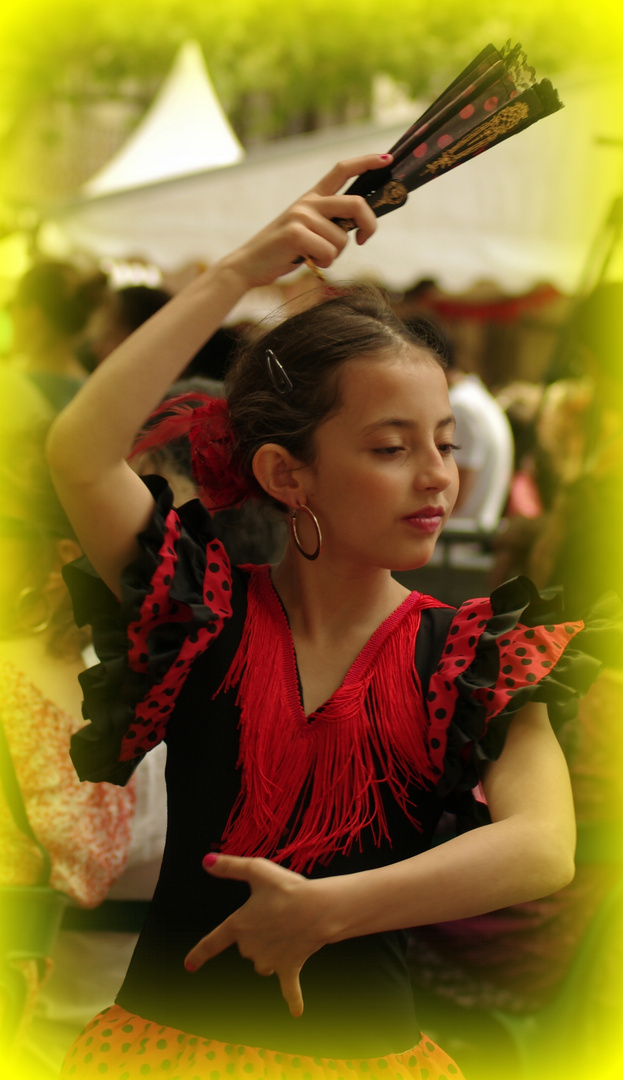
[[389, 450], [447, 448]]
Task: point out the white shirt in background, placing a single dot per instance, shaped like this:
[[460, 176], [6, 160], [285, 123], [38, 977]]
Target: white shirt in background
[[486, 446]]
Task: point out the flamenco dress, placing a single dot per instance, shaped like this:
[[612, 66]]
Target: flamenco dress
[[199, 653]]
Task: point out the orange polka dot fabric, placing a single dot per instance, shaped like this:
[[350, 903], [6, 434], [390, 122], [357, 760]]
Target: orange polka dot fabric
[[118, 1045]]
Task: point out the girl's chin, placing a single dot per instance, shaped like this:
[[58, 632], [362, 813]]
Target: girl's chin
[[415, 560], [405, 566]]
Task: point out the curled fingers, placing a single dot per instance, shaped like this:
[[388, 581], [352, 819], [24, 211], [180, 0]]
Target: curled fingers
[[315, 229], [345, 170]]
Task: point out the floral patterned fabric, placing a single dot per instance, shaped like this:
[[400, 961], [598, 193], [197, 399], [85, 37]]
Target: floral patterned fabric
[[85, 827]]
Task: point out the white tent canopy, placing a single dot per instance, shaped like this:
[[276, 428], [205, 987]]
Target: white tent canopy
[[184, 131], [524, 212]]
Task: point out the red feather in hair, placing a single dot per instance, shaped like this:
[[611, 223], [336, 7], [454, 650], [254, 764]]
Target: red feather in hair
[[204, 421]]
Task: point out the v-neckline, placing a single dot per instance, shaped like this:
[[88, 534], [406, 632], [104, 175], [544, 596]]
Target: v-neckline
[[291, 674]]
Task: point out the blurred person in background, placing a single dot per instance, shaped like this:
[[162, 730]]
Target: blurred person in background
[[118, 314], [122, 311], [550, 450], [485, 448], [579, 546], [85, 828], [520, 402], [529, 489], [50, 308]]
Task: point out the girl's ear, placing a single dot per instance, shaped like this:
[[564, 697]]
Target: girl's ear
[[279, 473], [67, 550]]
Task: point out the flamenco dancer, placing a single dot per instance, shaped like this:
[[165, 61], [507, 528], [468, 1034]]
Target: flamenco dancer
[[319, 717]]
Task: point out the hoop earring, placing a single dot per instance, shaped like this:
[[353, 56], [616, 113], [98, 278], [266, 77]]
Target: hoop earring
[[312, 517], [25, 594]]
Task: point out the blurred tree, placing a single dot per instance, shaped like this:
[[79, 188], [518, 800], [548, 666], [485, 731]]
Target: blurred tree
[[278, 68]]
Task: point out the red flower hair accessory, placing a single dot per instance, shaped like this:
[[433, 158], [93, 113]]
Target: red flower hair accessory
[[204, 421], [215, 467]]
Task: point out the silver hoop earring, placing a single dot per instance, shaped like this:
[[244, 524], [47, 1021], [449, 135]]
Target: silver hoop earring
[[22, 603], [312, 517]]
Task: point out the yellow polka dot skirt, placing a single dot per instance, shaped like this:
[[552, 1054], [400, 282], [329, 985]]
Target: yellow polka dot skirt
[[117, 1045]]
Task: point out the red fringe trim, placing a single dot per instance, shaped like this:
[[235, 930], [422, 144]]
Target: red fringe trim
[[312, 785]]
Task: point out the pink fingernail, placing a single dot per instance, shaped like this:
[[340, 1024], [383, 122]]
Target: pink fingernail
[[209, 860], [188, 964], [385, 157]]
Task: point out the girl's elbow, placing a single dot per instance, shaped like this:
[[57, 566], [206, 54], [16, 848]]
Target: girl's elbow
[[556, 865], [564, 872]]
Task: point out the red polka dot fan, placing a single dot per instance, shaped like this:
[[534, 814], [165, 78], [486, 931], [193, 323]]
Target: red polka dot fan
[[493, 98]]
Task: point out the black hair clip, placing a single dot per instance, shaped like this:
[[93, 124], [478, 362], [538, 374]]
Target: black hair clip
[[278, 375]]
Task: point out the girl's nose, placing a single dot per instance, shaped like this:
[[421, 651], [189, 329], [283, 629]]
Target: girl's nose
[[433, 473]]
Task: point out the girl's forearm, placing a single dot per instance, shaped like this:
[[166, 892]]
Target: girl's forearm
[[527, 851], [133, 380], [491, 867]]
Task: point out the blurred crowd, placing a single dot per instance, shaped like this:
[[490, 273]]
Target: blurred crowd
[[541, 467]]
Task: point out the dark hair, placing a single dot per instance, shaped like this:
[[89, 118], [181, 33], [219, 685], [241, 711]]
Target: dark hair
[[311, 346], [429, 335], [213, 359], [137, 303], [65, 296]]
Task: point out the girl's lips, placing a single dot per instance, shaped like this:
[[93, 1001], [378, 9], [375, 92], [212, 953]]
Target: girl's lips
[[427, 520]]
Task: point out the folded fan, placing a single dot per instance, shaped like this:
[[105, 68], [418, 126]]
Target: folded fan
[[495, 97]]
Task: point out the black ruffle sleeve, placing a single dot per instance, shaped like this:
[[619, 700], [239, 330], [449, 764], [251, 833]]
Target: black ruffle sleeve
[[501, 653], [175, 598]]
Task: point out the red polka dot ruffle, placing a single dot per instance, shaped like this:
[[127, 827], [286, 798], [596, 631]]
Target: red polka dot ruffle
[[159, 610]]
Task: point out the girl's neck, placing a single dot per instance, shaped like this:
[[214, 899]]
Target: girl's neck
[[323, 600]]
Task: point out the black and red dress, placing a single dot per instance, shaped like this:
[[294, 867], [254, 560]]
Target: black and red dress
[[200, 654]]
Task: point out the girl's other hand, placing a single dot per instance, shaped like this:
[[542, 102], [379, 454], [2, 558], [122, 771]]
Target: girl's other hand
[[277, 929], [306, 230]]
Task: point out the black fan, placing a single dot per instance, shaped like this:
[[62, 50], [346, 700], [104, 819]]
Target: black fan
[[495, 97]]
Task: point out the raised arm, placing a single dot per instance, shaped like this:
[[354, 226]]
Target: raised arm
[[89, 443], [525, 853]]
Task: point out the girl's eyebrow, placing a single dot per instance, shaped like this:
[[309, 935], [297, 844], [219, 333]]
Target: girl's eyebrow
[[450, 419], [399, 422]]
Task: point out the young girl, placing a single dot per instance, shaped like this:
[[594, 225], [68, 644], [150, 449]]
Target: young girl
[[318, 717]]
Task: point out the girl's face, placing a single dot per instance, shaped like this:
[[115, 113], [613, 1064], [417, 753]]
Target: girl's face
[[384, 480]]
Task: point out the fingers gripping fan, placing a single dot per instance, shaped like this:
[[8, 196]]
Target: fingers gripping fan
[[495, 97]]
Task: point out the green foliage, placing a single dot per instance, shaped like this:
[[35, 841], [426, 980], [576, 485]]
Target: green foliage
[[277, 65]]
